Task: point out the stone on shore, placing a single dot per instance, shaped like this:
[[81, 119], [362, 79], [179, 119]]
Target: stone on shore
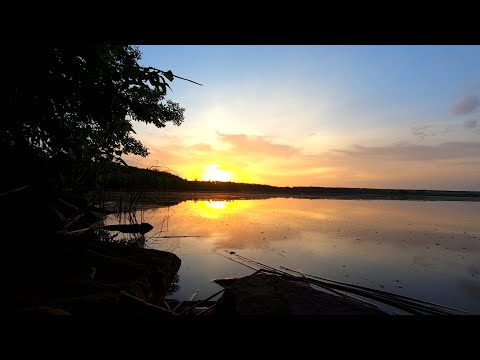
[[271, 295]]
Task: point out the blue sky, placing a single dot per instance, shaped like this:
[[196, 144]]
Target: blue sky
[[356, 116]]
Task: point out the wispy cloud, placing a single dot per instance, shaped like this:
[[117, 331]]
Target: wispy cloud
[[438, 130], [411, 152], [421, 131], [257, 145], [467, 105], [471, 124]]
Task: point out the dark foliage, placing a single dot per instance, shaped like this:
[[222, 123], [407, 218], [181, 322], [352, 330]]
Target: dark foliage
[[71, 107]]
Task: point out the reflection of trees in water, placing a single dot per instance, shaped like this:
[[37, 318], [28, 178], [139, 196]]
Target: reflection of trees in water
[[137, 238], [129, 217], [133, 239], [174, 286], [154, 239]]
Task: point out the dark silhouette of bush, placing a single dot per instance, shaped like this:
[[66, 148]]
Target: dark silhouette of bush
[[71, 108]]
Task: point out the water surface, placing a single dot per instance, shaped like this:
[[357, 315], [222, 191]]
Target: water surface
[[427, 250]]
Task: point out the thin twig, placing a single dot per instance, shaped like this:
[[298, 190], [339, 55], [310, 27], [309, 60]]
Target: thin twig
[[189, 299], [384, 293], [74, 220], [201, 302], [15, 190], [205, 310], [331, 290], [238, 262], [187, 80]]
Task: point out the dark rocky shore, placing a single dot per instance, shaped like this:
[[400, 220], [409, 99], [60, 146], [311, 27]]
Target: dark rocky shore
[[79, 277], [72, 276]]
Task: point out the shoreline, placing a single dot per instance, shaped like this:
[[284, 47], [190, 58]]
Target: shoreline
[[169, 198]]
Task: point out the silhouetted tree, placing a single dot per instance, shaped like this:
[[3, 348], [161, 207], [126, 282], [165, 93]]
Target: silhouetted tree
[[74, 105]]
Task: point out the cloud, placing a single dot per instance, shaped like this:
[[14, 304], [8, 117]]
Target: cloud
[[420, 131], [267, 160], [410, 152], [431, 130], [472, 124], [467, 105], [257, 145], [202, 147]]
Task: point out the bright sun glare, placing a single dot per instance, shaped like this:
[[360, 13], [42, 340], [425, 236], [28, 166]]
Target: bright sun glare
[[216, 204], [213, 173]]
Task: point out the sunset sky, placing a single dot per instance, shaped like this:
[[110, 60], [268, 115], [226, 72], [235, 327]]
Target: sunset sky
[[349, 116]]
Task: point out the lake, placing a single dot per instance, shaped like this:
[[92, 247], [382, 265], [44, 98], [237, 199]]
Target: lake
[[429, 250]]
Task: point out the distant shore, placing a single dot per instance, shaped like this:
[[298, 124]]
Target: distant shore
[[170, 198], [134, 179]]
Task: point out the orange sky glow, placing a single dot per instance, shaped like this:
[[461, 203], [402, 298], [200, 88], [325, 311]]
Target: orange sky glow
[[345, 116]]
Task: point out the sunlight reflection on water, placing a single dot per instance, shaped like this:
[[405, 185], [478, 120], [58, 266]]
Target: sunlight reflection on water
[[427, 250]]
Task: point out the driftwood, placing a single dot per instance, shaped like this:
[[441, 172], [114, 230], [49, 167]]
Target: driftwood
[[195, 293], [186, 311], [15, 190], [131, 302]]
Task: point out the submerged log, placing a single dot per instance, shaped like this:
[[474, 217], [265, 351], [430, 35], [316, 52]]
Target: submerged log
[[142, 228]]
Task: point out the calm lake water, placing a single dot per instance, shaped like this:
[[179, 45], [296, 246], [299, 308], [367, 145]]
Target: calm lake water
[[428, 250]]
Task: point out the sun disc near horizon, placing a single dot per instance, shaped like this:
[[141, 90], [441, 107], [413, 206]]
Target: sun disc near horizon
[[213, 173]]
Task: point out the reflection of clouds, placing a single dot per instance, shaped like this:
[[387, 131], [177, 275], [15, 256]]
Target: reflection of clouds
[[405, 225], [253, 237], [422, 243], [423, 261]]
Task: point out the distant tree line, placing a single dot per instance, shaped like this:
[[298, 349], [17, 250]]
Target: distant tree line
[[126, 178]]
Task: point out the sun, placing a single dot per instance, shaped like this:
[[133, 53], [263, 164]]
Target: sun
[[213, 173]]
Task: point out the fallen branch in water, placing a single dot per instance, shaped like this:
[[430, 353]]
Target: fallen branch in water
[[413, 306], [206, 309], [134, 302], [183, 301], [400, 298], [238, 262], [201, 302]]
